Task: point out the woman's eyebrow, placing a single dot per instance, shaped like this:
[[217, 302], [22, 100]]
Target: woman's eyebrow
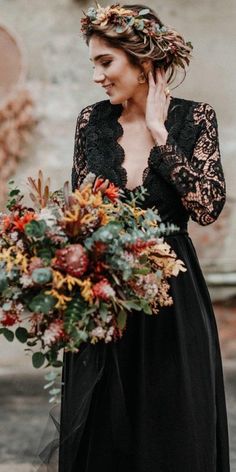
[[99, 57]]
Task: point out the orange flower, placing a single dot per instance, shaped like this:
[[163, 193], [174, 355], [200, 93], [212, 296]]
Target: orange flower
[[98, 185], [112, 192], [6, 222], [20, 222]]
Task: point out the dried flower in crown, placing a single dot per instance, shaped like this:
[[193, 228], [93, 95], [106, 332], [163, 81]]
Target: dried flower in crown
[[171, 44]]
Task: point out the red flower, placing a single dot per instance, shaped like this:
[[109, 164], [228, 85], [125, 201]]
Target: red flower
[[9, 318], [103, 290], [98, 185], [73, 260], [20, 222], [139, 245], [112, 192], [6, 222]]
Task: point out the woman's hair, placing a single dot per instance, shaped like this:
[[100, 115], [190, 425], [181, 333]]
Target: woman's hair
[[138, 30]]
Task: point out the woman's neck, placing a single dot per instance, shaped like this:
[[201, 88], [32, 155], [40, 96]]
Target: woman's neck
[[135, 107]]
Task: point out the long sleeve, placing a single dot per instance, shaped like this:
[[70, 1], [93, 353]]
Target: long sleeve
[[199, 180], [79, 168]]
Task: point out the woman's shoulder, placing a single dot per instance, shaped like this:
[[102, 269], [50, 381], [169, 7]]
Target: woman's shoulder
[[192, 105], [196, 111], [87, 112]]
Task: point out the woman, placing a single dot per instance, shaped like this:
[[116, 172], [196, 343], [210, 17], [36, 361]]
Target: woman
[[153, 401]]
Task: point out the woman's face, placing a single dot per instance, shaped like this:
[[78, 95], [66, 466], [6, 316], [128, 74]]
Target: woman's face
[[113, 71]]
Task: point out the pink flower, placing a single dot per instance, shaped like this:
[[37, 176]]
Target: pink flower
[[103, 290], [54, 332]]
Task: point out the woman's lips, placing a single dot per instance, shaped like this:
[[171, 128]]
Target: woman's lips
[[108, 88]]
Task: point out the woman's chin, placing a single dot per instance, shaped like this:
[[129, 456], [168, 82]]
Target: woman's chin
[[115, 100]]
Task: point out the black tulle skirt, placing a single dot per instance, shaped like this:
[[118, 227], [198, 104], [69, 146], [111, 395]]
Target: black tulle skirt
[[153, 401]]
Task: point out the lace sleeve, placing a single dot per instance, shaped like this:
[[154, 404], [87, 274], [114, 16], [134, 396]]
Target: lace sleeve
[[79, 168], [200, 180]]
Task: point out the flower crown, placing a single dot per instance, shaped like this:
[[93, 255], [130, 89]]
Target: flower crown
[[172, 47]]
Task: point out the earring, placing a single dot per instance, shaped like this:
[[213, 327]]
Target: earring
[[141, 78]]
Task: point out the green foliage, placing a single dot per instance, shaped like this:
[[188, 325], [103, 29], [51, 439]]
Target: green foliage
[[38, 359], [42, 276], [21, 334], [3, 280], [7, 333], [42, 303], [36, 229], [45, 253], [122, 319], [14, 196]]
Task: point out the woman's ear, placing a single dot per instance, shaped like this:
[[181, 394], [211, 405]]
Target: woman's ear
[[147, 65]]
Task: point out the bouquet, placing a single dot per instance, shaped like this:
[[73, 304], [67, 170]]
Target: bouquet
[[75, 265]]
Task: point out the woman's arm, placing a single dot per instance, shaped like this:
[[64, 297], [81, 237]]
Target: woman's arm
[[200, 180], [79, 168]]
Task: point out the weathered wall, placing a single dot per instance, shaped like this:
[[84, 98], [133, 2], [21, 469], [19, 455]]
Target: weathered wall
[[59, 76]]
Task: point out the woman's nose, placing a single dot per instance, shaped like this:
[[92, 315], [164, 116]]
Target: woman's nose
[[98, 76]]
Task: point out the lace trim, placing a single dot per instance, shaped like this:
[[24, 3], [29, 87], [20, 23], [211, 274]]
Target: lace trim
[[200, 180], [79, 168]]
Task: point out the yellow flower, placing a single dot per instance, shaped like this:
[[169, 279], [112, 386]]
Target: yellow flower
[[104, 219], [58, 279], [72, 215], [61, 299], [11, 259], [86, 291], [88, 218], [21, 259]]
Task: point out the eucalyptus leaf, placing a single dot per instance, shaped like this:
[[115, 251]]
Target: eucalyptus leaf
[[48, 385], [42, 275], [14, 192], [51, 376], [54, 391], [146, 307], [121, 319], [42, 303], [3, 280], [120, 29], [36, 229], [38, 359], [21, 334], [9, 335], [132, 305], [144, 12]]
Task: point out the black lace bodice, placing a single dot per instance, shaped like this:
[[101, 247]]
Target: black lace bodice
[[183, 178]]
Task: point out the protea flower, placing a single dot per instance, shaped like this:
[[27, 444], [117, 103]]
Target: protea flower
[[73, 260], [54, 332], [103, 290]]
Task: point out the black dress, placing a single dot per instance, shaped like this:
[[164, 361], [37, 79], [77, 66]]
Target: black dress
[[153, 401]]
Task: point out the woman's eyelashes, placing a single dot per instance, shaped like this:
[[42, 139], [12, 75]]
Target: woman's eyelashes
[[104, 64]]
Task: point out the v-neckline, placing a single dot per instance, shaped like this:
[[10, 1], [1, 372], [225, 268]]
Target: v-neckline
[[122, 153], [120, 133]]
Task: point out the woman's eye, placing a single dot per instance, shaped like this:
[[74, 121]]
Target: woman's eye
[[106, 64]]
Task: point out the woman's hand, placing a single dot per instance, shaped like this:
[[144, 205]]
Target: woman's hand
[[158, 102]]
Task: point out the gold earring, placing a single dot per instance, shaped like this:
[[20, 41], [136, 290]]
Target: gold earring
[[141, 78]]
